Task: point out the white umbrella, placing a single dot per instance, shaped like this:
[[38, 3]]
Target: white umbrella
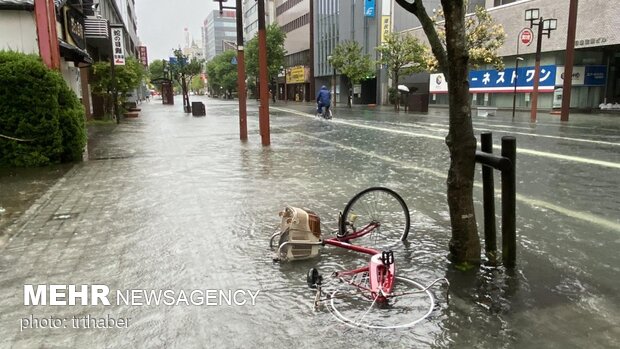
[[403, 88]]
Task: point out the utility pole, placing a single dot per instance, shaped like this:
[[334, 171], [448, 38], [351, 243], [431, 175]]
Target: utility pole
[[243, 115], [537, 71], [241, 93], [263, 111], [545, 26], [570, 59]]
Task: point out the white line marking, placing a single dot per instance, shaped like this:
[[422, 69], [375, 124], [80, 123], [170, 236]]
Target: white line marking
[[584, 216], [519, 150]]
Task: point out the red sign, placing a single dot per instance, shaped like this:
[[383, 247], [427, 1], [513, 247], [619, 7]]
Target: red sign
[[526, 36], [143, 56]]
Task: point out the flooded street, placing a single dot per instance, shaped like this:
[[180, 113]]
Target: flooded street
[[174, 202]]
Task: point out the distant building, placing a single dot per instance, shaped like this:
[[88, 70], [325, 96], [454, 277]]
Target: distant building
[[218, 31], [596, 69], [250, 17], [293, 16]]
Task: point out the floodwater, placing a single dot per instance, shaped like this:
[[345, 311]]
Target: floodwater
[[175, 202]]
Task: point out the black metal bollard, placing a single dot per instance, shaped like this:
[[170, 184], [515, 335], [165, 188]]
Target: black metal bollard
[[509, 193], [488, 195]]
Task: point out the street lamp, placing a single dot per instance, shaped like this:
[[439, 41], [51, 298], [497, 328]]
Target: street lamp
[[329, 59], [514, 96], [545, 26]]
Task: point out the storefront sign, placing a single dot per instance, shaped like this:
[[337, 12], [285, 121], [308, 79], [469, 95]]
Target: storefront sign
[[117, 44], [143, 56], [494, 81], [74, 27], [596, 75], [590, 75], [296, 75], [369, 8], [438, 84], [600, 41], [386, 27], [579, 74]]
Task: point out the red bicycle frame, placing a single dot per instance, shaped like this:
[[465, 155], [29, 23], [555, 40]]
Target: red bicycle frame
[[380, 271]]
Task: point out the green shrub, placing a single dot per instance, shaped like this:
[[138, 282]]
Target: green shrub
[[36, 104]]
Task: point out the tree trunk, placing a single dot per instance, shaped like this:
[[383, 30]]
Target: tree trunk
[[465, 243], [453, 62], [350, 96], [395, 87]]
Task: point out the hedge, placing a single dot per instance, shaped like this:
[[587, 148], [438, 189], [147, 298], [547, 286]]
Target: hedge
[[37, 105]]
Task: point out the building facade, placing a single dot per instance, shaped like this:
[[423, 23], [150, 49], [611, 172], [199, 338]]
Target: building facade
[[250, 17], [21, 31], [337, 21], [596, 77], [293, 16], [219, 30]]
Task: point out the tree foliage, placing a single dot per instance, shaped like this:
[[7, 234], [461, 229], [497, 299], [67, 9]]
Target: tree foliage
[[197, 85], [156, 71], [275, 52], [184, 68], [42, 121], [403, 55], [347, 58], [221, 73], [484, 38], [127, 78]]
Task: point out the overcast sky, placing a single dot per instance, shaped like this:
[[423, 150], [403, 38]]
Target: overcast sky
[[161, 23]]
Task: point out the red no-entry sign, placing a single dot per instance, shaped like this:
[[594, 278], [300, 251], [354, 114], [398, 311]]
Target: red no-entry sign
[[526, 36]]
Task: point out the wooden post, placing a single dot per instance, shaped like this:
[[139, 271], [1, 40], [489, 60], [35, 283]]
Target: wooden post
[[243, 116], [263, 76], [488, 190], [570, 59], [45, 17], [537, 71], [509, 183]]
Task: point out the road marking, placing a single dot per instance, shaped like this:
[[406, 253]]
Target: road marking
[[432, 128], [584, 216], [520, 150]]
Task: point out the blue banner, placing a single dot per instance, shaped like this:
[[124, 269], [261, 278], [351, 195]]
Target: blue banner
[[369, 8], [596, 75], [494, 81]]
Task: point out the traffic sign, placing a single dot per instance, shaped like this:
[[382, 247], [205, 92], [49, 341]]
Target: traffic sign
[[233, 60], [526, 36]]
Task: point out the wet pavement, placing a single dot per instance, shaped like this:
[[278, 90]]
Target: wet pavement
[[174, 202]]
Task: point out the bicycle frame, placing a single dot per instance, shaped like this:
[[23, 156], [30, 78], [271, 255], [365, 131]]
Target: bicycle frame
[[381, 267]]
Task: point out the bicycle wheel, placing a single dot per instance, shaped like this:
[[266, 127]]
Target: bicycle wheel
[[377, 205]]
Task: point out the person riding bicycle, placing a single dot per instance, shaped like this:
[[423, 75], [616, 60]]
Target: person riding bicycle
[[324, 99]]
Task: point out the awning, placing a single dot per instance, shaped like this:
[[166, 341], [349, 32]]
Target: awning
[[74, 53]]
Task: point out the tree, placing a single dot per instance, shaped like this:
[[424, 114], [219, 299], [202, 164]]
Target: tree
[[453, 59], [484, 38], [183, 70], [222, 73], [156, 71], [275, 52], [197, 85], [127, 78], [347, 58], [403, 55]]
